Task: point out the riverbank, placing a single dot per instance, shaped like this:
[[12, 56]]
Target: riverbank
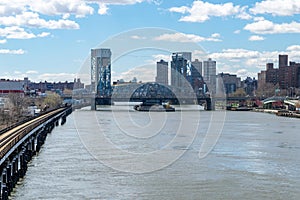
[[265, 110], [281, 113]]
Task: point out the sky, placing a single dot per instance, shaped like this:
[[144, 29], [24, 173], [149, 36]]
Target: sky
[[51, 39]]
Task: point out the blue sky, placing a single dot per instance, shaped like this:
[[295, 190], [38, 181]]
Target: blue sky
[[51, 39]]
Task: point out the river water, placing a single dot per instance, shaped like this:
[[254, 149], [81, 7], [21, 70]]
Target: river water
[[136, 155]]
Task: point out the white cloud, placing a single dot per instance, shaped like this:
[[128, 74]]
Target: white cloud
[[202, 11], [145, 73], [159, 57], [293, 48], [3, 41], [30, 19], [8, 51], [15, 32], [235, 54], [256, 38], [35, 76], [10, 7], [32, 72], [268, 27], [103, 4], [55, 77], [118, 2], [51, 14], [182, 9], [242, 73], [137, 37], [181, 37], [277, 7], [79, 8], [258, 18], [244, 14], [215, 35], [237, 32]]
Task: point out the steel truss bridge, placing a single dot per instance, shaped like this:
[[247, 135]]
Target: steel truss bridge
[[137, 92]]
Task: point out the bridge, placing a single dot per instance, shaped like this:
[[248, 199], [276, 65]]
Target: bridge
[[21, 142], [280, 101], [139, 92], [188, 85]]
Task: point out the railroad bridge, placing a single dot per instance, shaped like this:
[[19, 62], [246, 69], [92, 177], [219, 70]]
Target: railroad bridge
[[138, 92], [188, 85], [19, 143]]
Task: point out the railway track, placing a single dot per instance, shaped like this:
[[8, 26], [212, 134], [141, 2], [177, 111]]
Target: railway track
[[11, 137]]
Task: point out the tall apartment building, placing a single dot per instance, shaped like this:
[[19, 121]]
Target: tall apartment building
[[261, 79], [197, 66], [209, 74], [162, 72], [283, 61], [272, 74], [287, 75]]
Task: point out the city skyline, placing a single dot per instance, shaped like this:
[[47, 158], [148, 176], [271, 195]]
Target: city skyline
[[52, 44]]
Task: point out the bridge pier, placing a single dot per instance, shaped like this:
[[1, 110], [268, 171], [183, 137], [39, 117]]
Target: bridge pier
[[14, 163], [93, 104]]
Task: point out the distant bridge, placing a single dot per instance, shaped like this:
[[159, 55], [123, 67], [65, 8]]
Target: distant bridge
[[291, 102], [152, 91]]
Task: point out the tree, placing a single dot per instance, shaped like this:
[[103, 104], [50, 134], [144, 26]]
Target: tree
[[240, 92], [52, 100], [134, 80], [267, 90]]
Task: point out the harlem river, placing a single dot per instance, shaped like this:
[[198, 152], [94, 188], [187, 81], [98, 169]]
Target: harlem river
[[191, 154]]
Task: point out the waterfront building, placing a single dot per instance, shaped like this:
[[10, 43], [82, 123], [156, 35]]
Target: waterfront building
[[286, 75], [162, 72], [209, 74], [289, 75], [11, 87], [230, 82]]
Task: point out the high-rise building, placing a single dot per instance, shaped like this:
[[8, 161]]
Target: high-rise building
[[162, 72], [230, 82], [101, 72], [287, 75], [180, 64], [209, 74], [272, 74], [197, 65], [283, 60], [261, 81]]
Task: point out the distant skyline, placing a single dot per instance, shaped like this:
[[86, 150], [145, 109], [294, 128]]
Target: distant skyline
[[51, 39]]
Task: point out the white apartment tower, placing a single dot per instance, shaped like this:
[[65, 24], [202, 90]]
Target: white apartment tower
[[162, 72], [209, 74], [197, 65]]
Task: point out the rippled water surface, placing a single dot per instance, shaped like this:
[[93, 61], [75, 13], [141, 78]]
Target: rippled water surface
[[256, 157]]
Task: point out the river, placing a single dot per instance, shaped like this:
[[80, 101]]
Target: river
[[136, 155]]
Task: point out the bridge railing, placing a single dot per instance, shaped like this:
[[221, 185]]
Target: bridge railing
[[14, 125]]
